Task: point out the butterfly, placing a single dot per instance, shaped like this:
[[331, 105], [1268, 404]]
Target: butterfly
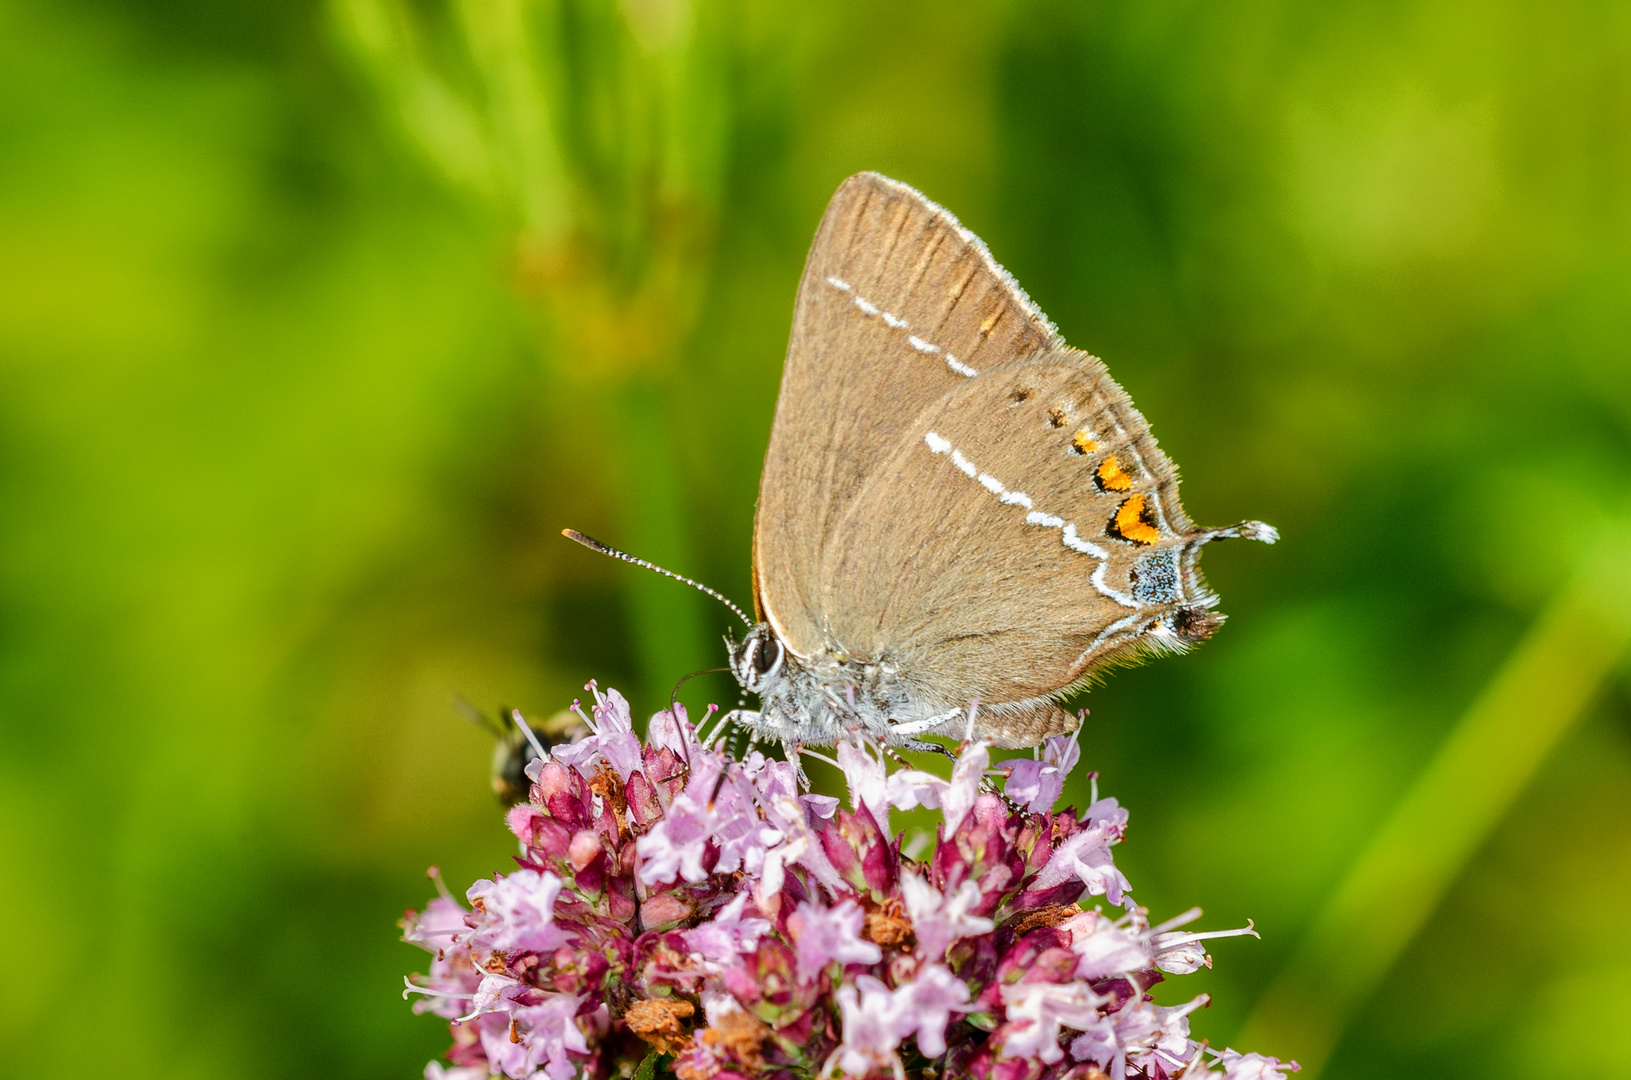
[[961, 518]]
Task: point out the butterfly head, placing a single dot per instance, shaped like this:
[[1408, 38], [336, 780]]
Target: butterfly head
[[757, 661]]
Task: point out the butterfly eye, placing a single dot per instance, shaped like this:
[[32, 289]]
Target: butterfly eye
[[766, 662]]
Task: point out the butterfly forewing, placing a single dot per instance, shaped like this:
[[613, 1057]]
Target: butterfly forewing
[[899, 305]]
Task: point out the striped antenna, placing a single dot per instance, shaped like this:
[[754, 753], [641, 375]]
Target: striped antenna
[[606, 549]]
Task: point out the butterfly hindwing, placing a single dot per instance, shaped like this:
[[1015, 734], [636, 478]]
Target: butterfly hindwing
[[1025, 530]]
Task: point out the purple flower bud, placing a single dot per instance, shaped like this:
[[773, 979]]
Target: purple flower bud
[[1066, 892], [1042, 955], [663, 910], [870, 861], [667, 769], [982, 851], [671, 731], [840, 852], [644, 806]]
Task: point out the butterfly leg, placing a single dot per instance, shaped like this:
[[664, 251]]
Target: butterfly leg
[[795, 751], [924, 746], [745, 718], [885, 750], [763, 728], [906, 731]]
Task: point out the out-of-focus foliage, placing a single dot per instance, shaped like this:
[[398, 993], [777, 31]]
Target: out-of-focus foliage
[[318, 323]]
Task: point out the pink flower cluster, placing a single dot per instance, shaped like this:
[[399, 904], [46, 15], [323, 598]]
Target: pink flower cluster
[[677, 911]]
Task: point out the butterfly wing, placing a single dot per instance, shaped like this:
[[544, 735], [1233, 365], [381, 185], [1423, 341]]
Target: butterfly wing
[[1023, 532], [899, 304]]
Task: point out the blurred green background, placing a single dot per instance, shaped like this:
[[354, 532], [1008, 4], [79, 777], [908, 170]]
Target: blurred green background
[[318, 322]]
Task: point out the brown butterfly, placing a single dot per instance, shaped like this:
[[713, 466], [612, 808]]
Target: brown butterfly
[[961, 517]]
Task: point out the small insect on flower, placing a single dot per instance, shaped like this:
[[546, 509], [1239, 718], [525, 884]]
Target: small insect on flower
[[681, 912], [519, 743]]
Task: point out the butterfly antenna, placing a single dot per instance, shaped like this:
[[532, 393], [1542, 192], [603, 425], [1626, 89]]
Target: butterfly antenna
[[674, 696], [605, 549], [719, 785]]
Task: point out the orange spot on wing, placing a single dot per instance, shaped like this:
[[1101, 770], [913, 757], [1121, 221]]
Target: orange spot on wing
[[1111, 476], [1131, 522], [1083, 442]]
